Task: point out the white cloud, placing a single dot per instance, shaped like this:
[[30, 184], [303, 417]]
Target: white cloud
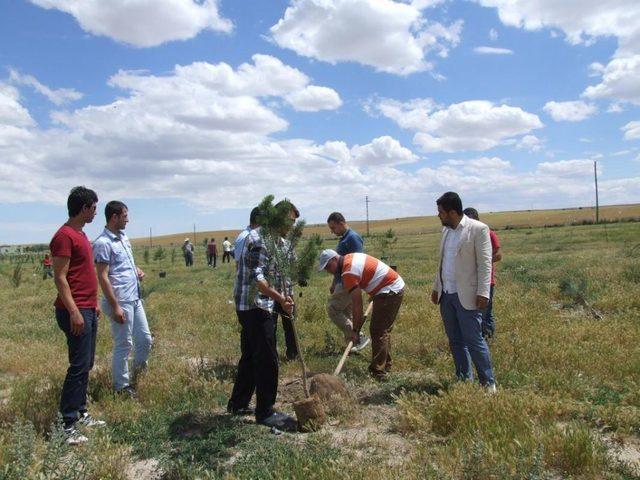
[[479, 166], [58, 97], [584, 23], [474, 125], [596, 69], [615, 107], [581, 22], [631, 130], [567, 168], [382, 151], [143, 23], [388, 35], [493, 35], [575, 111], [530, 142], [12, 113], [313, 98], [620, 81], [492, 51]]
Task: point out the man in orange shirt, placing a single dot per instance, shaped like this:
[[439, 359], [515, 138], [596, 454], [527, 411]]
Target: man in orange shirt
[[360, 271]]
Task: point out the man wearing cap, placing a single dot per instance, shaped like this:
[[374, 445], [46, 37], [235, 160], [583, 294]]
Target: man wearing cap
[[339, 304], [187, 250], [359, 271]]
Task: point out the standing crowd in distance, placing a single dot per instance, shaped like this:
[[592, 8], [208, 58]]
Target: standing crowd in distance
[[463, 288]]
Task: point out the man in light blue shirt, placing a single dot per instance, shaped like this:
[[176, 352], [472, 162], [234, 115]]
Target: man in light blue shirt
[[119, 280]]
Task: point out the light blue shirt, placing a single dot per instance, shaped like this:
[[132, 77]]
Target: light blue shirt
[[237, 249], [116, 251]]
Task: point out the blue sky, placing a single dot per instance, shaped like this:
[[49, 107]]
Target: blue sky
[[191, 112]]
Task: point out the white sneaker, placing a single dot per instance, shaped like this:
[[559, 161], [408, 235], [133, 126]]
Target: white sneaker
[[364, 341], [74, 437], [88, 421], [491, 389]]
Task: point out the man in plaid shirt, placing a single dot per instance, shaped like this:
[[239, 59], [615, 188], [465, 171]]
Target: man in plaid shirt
[[258, 364]]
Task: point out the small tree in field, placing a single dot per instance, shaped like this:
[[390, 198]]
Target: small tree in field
[[159, 254], [385, 244], [146, 255]]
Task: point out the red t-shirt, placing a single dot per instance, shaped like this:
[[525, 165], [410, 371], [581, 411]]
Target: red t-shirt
[[212, 248], [81, 276], [495, 244]]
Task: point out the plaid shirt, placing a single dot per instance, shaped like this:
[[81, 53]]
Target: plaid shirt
[[285, 248], [253, 265]]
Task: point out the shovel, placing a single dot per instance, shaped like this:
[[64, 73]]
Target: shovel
[[331, 387], [309, 412]]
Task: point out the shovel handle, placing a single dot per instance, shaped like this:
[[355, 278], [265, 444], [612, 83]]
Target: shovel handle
[[343, 359], [348, 349]]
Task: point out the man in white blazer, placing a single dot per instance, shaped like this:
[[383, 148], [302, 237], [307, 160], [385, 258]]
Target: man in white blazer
[[462, 286]]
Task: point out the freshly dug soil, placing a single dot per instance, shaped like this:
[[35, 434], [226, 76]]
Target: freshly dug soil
[[310, 414]]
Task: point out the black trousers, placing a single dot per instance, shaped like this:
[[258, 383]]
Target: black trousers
[[82, 350], [227, 256], [188, 259], [289, 336], [258, 365], [211, 259]]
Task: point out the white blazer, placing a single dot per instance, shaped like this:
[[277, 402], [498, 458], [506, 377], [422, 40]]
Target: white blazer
[[472, 262]]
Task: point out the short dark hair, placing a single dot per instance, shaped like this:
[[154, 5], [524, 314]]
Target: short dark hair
[[212, 240], [226, 238], [450, 201], [293, 208], [336, 217], [253, 216], [80, 197], [471, 213], [114, 207]]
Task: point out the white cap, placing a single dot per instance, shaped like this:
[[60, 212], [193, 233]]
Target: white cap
[[186, 239], [325, 256]]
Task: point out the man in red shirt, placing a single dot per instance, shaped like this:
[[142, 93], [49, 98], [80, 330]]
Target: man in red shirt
[[76, 308], [212, 253], [488, 320]]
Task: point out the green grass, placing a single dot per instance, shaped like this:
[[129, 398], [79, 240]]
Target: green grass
[[565, 378]]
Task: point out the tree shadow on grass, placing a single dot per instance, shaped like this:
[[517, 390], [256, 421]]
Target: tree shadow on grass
[[199, 425], [386, 392]]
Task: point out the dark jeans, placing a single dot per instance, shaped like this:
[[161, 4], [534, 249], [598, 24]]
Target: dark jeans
[[289, 337], [188, 259], [82, 350], [211, 259], [258, 365], [488, 320], [227, 256]]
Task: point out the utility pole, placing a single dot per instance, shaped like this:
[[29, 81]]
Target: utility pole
[[595, 175], [150, 238], [366, 202], [195, 241]]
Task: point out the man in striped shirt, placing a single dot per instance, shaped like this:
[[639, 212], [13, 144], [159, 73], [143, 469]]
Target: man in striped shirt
[[360, 271]]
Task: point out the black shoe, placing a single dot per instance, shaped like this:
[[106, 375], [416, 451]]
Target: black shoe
[[280, 421], [239, 411], [127, 392]]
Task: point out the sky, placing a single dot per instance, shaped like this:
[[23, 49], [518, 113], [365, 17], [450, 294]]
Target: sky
[[191, 111]]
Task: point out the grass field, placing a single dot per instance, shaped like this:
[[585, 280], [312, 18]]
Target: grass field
[[431, 224], [568, 404]]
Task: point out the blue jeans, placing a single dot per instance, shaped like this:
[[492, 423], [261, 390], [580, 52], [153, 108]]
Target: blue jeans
[[464, 329], [488, 320], [134, 332], [82, 350]]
